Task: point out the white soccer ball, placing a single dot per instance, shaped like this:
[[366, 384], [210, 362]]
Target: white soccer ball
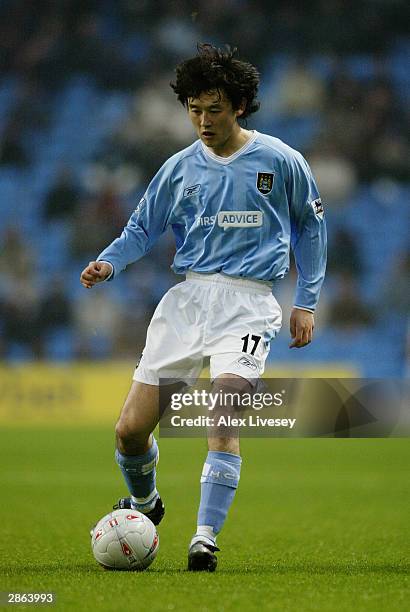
[[125, 540]]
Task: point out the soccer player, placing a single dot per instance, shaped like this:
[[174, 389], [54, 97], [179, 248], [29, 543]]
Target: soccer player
[[237, 200]]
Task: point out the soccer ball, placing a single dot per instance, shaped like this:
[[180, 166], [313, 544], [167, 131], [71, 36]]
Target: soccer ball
[[125, 540]]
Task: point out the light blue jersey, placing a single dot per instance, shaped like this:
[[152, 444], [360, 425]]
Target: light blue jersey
[[238, 215]]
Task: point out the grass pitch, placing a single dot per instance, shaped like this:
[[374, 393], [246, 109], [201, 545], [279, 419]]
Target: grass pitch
[[318, 524]]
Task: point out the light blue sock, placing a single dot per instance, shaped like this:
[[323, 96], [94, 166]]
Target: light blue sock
[[140, 475], [219, 481]]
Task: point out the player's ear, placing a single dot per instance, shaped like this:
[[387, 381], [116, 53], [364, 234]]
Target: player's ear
[[240, 111]]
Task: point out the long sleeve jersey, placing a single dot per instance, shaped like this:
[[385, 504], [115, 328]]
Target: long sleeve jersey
[[238, 215]]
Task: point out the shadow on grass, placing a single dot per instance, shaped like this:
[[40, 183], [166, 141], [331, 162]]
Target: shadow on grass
[[348, 568]]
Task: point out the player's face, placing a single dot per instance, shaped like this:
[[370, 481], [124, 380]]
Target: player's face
[[215, 120]]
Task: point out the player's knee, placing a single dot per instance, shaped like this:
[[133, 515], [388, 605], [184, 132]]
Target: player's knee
[[130, 437], [124, 432], [131, 429], [120, 431]]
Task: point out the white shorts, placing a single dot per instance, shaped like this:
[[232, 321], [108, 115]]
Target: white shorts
[[230, 320]]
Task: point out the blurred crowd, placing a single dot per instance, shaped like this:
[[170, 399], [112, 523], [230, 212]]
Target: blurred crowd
[[334, 85]]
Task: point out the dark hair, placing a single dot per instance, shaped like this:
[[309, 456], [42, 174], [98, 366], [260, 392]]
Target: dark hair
[[218, 69]]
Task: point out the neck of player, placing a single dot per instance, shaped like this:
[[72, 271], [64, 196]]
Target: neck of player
[[236, 140]]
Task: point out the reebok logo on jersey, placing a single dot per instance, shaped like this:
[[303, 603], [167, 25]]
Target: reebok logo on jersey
[[264, 182], [318, 208], [240, 218], [193, 190]]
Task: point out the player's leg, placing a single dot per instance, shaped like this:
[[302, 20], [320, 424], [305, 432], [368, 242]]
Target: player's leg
[[219, 480], [137, 450], [245, 318], [172, 351]]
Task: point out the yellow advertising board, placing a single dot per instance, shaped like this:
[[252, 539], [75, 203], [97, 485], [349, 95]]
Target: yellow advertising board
[[91, 393], [66, 395]]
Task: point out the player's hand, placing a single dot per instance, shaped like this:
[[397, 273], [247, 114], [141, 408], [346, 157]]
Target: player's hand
[[95, 272], [302, 324]]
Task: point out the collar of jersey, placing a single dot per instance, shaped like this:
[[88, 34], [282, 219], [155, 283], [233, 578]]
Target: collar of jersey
[[231, 158]]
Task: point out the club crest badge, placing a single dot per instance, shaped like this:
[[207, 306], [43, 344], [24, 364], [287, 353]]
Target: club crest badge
[[264, 182]]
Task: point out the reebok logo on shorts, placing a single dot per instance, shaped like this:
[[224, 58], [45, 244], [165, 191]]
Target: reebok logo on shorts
[[247, 362]]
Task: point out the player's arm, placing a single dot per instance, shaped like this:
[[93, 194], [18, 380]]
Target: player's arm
[[146, 224], [308, 242]]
